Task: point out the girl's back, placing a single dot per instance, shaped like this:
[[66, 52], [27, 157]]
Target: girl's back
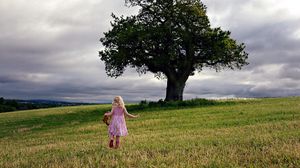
[[118, 111], [117, 125]]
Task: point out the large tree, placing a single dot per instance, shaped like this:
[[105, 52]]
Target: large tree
[[172, 39]]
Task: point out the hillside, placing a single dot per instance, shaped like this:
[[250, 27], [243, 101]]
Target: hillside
[[8, 105], [246, 133]]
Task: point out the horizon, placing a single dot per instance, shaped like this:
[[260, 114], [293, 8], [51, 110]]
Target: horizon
[[138, 101]]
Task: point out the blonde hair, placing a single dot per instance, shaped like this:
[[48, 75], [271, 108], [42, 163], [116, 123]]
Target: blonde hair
[[118, 102]]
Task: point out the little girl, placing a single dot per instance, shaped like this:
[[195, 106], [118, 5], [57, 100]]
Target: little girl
[[117, 126]]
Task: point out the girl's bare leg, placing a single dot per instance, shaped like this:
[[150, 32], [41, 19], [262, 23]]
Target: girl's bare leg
[[117, 142], [111, 141]]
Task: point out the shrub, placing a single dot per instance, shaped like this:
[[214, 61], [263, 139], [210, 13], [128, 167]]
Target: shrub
[[144, 104]]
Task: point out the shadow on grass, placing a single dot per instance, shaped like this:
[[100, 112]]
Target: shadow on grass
[[51, 121]]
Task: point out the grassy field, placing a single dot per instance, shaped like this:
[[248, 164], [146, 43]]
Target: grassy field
[[245, 133]]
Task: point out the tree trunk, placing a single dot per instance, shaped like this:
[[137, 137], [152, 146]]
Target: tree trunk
[[175, 89]]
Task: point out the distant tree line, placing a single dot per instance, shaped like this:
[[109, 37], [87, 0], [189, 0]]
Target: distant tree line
[[7, 105]]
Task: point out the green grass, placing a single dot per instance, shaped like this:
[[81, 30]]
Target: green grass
[[246, 133]]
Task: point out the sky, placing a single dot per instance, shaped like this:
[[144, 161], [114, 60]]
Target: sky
[[49, 50]]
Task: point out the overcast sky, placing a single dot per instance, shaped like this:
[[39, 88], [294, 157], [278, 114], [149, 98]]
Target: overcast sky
[[49, 50]]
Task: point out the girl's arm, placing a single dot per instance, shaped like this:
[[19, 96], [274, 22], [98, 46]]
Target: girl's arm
[[129, 115], [110, 113]]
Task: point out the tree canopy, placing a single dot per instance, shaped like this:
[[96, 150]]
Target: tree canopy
[[172, 39]]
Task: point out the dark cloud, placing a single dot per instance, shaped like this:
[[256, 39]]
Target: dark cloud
[[267, 29], [49, 50], [290, 71]]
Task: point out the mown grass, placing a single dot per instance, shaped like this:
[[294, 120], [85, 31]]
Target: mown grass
[[246, 133]]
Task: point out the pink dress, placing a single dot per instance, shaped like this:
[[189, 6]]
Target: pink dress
[[117, 126]]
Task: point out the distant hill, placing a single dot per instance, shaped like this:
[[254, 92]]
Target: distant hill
[[7, 105], [53, 102]]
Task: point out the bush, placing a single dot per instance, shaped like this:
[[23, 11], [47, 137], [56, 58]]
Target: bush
[[144, 104]]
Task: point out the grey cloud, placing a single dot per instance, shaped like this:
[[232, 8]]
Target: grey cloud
[[215, 88], [49, 50], [290, 71], [269, 34], [273, 92], [7, 79]]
